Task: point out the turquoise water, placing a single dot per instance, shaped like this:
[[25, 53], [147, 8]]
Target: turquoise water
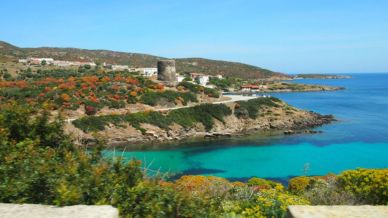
[[358, 139]]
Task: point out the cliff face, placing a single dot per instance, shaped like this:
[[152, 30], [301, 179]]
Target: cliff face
[[283, 118]]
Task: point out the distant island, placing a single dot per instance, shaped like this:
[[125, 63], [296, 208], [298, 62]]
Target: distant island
[[320, 76]]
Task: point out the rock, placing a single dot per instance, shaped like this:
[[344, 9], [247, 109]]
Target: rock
[[310, 131], [364, 211], [289, 132], [46, 211]]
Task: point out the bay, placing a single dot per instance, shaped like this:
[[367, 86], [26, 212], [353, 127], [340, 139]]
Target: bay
[[358, 139]]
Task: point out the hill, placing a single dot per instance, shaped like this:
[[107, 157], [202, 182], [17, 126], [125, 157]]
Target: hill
[[10, 52]]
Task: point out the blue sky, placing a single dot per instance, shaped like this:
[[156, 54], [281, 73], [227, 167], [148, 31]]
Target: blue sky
[[307, 36]]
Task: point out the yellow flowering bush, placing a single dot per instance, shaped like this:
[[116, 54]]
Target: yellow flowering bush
[[255, 211], [274, 203], [369, 185], [299, 184], [265, 203]]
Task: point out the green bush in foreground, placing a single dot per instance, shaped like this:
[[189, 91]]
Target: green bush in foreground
[[61, 173]]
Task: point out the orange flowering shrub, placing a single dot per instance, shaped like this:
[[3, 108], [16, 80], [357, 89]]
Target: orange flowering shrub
[[238, 184], [48, 89], [261, 184], [65, 97], [132, 80], [90, 79], [203, 185], [67, 85], [119, 78], [9, 84], [159, 86], [105, 79]]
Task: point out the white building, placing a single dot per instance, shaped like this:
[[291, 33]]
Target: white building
[[120, 67], [148, 71], [62, 63], [203, 80], [219, 76], [180, 78], [38, 61], [48, 60], [72, 63], [24, 61]]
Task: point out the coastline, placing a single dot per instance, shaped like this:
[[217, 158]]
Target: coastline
[[281, 120]]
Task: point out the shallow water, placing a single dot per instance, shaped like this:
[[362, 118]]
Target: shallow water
[[358, 139]]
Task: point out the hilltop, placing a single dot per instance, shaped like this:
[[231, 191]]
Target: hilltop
[[9, 52]]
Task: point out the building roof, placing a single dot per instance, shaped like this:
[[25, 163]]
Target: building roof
[[250, 86]]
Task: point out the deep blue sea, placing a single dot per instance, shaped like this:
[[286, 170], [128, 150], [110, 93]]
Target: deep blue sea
[[358, 139]]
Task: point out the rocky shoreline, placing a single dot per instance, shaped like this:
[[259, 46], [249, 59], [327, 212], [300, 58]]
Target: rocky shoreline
[[284, 119], [319, 89]]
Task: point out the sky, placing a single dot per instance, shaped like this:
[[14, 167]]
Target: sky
[[290, 36]]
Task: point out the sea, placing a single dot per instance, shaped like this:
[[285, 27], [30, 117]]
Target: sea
[[359, 139]]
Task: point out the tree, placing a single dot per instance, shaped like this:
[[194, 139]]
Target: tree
[[7, 76], [187, 79], [197, 80], [43, 63]]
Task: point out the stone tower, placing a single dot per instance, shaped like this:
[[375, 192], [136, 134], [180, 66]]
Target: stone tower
[[166, 71]]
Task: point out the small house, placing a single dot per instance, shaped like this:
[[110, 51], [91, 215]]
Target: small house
[[250, 88]]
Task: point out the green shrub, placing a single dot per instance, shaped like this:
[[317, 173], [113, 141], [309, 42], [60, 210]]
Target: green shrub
[[198, 89], [186, 117], [38, 172], [252, 107], [154, 98], [40, 164], [326, 192], [116, 104]]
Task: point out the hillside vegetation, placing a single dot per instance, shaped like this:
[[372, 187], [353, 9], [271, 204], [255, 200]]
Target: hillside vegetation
[[10, 52], [93, 90]]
